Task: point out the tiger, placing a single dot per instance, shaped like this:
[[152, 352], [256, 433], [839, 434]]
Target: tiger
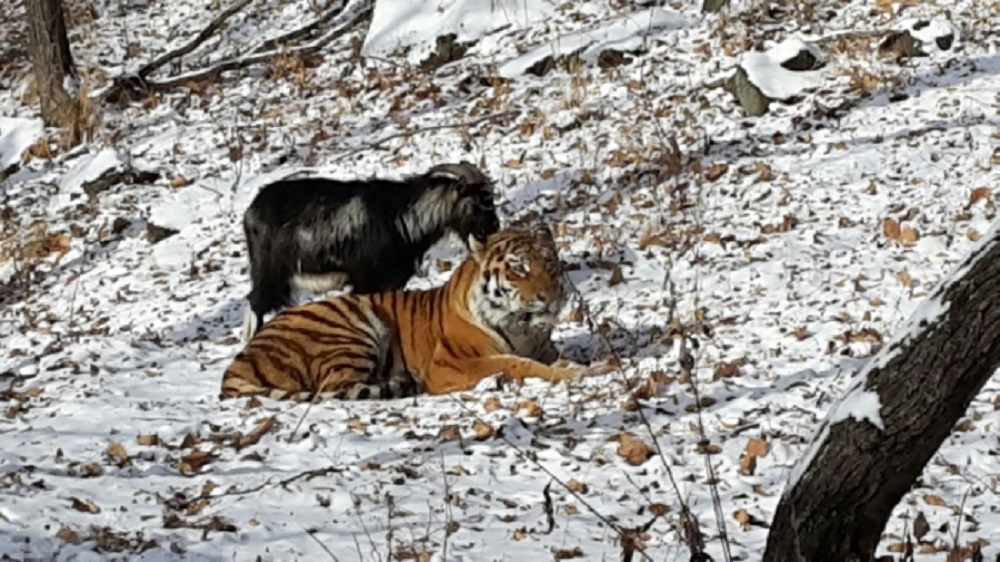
[[494, 315]]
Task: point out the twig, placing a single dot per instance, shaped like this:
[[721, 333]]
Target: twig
[[687, 366], [553, 478], [371, 541], [258, 55], [294, 34], [308, 475], [961, 510], [383, 140], [685, 511], [549, 510], [238, 63], [447, 508], [150, 67], [321, 545]]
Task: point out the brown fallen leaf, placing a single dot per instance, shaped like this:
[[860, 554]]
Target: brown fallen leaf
[[148, 440], [449, 432], [764, 172], [716, 171], [931, 499], [748, 460], [757, 447], [920, 526], [190, 464], [68, 534], [179, 181], [492, 404], [633, 450], [566, 554], [890, 228], [743, 518], [908, 236], [532, 409], [116, 452], [86, 506], [482, 430], [981, 194], [617, 277], [728, 370], [576, 486], [190, 441], [197, 507], [659, 509], [897, 547], [256, 433], [706, 448]]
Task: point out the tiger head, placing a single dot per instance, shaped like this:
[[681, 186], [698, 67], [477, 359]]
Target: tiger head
[[520, 279]]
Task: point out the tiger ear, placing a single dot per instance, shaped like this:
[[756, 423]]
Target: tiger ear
[[477, 248]]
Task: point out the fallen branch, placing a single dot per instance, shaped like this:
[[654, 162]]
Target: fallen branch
[[213, 26], [180, 504], [276, 42], [383, 140], [263, 52]]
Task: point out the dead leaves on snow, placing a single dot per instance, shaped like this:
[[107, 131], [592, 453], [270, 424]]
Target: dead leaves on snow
[[748, 460], [903, 235], [632, 449]]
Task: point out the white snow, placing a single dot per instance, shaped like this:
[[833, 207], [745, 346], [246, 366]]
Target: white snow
[[764, 69], [778, 266], [16, 135], [416, 24], [626, 33], [928, 30], [88, 168]]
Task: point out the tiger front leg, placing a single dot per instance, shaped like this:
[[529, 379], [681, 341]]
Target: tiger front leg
[[450, 374]]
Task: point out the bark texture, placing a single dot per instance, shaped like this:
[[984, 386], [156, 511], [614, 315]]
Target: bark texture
[[52, 61], [711, 6], [925, 379]]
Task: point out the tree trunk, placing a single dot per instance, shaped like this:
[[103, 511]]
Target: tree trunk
[[712, 6], [52, 60], [881, 433]]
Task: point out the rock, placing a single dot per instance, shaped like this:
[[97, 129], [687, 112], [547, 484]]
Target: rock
[[158, 233], [448, 50], [780, 73], [610, 58], [901, 44], [915, 37], [749, 96]]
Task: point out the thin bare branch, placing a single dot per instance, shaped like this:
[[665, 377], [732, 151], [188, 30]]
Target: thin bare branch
[[213, 26]]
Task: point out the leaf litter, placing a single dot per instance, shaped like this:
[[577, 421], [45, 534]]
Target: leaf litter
[[788, 246]]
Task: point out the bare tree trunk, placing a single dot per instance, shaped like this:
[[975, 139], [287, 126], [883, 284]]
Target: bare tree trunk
[[52, 60], [878, 437], [711, 6]]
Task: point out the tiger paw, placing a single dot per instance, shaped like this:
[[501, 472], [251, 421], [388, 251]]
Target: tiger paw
[[602, 368]]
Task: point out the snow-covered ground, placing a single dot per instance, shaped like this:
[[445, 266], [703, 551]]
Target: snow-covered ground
[[790, 246]]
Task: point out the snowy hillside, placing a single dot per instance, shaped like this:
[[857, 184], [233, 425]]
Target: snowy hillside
[[789, 245]]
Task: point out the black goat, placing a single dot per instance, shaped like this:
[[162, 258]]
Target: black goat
[[319, 234]]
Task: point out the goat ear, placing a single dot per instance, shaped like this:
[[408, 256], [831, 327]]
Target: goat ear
[[477, 248]]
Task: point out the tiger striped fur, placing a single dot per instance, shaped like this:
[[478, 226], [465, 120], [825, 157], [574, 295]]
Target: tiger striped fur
[[494, 315]]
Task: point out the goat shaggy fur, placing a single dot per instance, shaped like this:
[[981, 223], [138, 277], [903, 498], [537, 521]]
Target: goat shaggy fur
[[319, 234]]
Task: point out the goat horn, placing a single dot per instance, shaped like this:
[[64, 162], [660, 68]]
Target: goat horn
[[464, 170]]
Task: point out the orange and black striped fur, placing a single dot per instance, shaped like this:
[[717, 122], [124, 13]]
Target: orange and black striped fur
[[493, 316]]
